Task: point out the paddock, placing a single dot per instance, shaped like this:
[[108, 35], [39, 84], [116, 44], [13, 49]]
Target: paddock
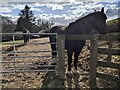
[[16, 61], [95, 62]]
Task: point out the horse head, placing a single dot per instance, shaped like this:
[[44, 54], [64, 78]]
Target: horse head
[[100, 22], [95, 21]]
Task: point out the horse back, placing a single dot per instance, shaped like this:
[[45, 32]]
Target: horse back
[[58, 29]]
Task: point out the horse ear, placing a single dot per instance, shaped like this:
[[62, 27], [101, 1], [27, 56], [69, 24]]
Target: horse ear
[[102, 10]]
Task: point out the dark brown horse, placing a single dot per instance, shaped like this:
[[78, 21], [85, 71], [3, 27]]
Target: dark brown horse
[[93, 22]]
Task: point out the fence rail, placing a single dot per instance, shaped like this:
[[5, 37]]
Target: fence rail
[[107, 77], [109, 51], [94, 50], [30, 51], [109, 37], [14, 58], [94, 63], [29, 33], [108, 64]]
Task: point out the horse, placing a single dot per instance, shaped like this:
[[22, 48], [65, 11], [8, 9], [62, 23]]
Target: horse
[[95, 21]]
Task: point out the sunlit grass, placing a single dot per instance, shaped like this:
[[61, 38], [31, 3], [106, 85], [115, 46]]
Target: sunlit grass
[[11, 42], [113, 21]]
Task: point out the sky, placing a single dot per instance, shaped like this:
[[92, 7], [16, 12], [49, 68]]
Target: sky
[[60, 11], [53, 0]]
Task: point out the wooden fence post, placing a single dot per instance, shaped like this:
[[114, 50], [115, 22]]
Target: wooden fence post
[[109, 46], [0, 53], [93, 61], [119, 77], [61, 55], [14, 51]]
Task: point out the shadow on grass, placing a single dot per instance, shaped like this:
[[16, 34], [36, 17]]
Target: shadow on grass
[[73, 78]]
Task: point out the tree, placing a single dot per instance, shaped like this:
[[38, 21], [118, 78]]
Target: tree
[[26, 19], [44, 24], [7, 27], [41, 25], [28, 14]]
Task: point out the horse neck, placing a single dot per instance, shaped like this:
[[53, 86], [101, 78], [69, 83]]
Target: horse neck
[[79, 27], [87, 24]]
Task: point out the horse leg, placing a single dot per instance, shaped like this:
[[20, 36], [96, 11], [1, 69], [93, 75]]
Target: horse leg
[[69, 53], [53, 46], [76, 55]]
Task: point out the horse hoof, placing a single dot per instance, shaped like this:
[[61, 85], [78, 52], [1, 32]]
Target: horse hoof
[[69, 73], [76, 71]]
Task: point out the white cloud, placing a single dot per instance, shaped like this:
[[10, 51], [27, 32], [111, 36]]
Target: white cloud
[[111, 6], [36, 9], [18, 6], [54, 6], [113, 17], [72, 1], [38, 1], [43, 16], [5, 9], [37, 4], [85, 8], [75, 9], [57, 19], [51, 0], [14, 18], [6, 15]]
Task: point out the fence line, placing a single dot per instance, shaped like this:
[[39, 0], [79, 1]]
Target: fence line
[[32, 43], [13, 58], [109, 51], [21, 71], [30, 51], [109, 37], [27, 56], [31, 61], [29, 34], [93, 55], [94, 50]]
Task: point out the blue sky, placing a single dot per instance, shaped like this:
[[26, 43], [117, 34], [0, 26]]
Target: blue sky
[[60, 11]]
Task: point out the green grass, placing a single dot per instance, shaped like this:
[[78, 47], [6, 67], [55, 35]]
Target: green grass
[[11, 42], [114, 21]]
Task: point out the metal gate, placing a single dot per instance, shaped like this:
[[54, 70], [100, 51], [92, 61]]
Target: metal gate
[[34, 56]]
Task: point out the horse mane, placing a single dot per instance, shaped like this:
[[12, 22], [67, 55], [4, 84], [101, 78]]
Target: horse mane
[[80, 19]]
